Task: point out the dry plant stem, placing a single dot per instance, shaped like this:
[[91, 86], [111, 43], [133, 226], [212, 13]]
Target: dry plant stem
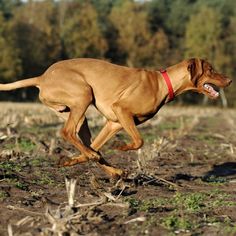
[[70, 188], [24, 220], [138, 219], [122, 205], [122, 190], [101, 201], [22, 209], [168, 182], [10, 231]]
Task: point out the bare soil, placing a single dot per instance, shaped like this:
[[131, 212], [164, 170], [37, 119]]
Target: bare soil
[[182, 182]]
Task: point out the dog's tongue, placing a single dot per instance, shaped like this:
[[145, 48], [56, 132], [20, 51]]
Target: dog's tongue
[[211, 90]]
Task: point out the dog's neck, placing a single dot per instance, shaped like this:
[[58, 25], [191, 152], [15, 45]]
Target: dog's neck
[[180, 78]]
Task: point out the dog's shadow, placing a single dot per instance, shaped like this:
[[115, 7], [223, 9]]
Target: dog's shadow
[[218, 173], [227, 169]]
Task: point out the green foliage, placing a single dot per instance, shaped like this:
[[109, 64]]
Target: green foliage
[[10, 66], [37, 41], [132, 42], [8, 6], [173, 222], [20, 185], [198, 42], [44, 179], [142, 48], [191, 202], [10, 167], [81, 35], [182, 208], [3, 195], [26, 145], [215, 179]]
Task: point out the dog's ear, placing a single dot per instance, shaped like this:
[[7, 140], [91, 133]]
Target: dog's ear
[[195, 67]]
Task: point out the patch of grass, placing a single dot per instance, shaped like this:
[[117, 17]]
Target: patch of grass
[[21, 185], [26, 145], [174, 222], [215, 179], [206, 138], [218, 198], [3, 195], [44, 179], [110, 152], [133, 202], [9, 167], [9, 146], [230, 230], [31, 129], [169, 125], [36, 162], [147, 204], [190, 202], [18, 184], [150, 134], [36, 194]]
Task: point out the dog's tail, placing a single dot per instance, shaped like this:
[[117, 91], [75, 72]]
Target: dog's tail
[[20, 84]]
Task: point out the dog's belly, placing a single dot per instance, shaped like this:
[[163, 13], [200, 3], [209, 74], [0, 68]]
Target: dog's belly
[[142, 116]]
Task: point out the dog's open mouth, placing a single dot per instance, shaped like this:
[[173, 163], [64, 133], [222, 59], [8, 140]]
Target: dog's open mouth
[[211, 90]]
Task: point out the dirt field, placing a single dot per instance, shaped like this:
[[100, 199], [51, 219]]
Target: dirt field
[[182, 182]]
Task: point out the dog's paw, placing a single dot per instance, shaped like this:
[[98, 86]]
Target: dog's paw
[[92, 155], [65, 161], [126, 147], [70, 163], [130, 146]]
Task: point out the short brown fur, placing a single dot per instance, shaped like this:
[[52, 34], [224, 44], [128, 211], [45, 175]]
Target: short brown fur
[[125, 96]]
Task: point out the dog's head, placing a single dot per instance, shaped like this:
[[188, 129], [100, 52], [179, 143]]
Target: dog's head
[[205, 79]]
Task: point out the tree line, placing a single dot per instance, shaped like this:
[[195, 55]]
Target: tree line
[[152, 34]]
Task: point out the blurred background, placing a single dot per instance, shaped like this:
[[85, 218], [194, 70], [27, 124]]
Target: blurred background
[[152, 34]]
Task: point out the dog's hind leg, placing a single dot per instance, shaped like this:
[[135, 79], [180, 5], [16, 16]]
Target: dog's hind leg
[[110, 129], [86, 138], [72, 125], [85, 134]]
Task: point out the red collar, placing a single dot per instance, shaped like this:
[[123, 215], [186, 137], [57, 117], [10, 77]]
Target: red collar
[[169, 85]]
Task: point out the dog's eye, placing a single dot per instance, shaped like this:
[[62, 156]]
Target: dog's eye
[[211, 69]]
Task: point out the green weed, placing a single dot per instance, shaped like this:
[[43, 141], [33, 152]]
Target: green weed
[[170, 125], [10, 167], [22, 186], [9, 146], [133, 202], [174, 222], [26, 145], [215, 179], [148, 204], [230, 230], [190, 202], [206, 138], [44, 179], [36, 162], [3, 195]]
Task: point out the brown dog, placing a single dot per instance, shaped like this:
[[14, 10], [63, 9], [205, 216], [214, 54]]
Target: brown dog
[[125, 96]]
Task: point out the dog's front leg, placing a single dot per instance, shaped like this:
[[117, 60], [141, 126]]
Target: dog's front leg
[[126, 120]]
